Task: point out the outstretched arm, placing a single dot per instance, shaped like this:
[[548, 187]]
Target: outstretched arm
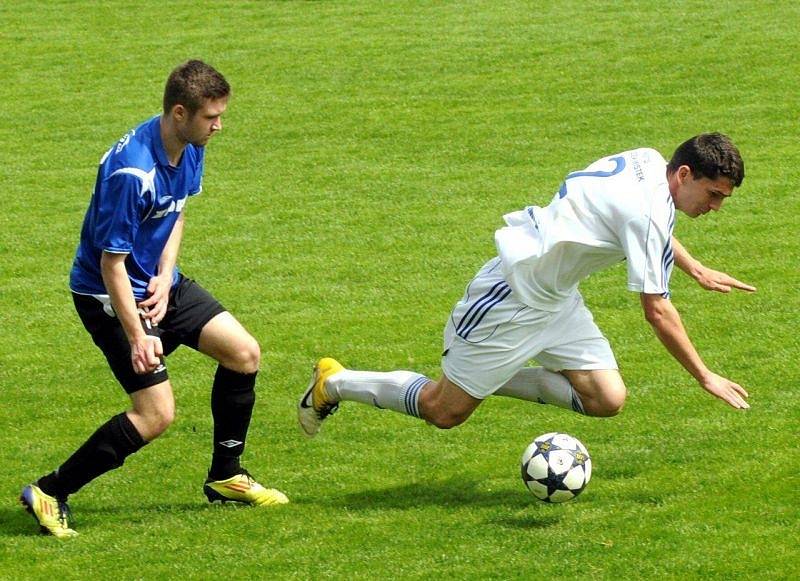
[[707, 278], [667, 324]]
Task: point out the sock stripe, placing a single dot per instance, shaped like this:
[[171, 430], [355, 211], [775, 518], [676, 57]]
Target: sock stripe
[[408, 398], [411, 396], [577, 404]]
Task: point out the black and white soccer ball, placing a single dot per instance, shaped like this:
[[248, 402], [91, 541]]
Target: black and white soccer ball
[[556, 467]]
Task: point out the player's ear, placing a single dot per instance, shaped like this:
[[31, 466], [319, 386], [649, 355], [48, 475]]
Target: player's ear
[[179, 112], [684, 173]]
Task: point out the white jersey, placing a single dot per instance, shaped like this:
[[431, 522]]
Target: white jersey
[[618, 208]]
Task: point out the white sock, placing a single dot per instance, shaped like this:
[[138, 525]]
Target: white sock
[[543, 386], [396, 390]]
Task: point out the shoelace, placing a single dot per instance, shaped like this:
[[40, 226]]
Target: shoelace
[[327, 410], [64, 513], [250, 479]]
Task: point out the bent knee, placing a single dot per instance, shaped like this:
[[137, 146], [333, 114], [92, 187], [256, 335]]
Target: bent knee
[[157, 422], [609, 404], [446, 420], [247, 359], [607, 411], [445, 405], [446, 423], [162, 421]]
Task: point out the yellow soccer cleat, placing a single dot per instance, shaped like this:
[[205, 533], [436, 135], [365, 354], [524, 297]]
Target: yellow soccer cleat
[[242, 488], [316, 405], [51, 514]]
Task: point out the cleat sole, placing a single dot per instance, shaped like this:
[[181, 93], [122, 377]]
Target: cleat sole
[[306, 417]]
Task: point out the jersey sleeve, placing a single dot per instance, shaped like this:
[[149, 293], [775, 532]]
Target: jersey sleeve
[[119, 213], [647, 245]]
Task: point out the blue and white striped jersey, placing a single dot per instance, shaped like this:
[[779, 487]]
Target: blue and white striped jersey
[[137, 199], [618, 208]]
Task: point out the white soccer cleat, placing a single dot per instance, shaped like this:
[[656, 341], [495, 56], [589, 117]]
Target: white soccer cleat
[[316, 405]]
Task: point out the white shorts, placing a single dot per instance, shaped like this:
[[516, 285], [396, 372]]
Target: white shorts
[[491, 335]]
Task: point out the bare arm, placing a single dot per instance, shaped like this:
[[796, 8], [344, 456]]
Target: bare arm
[[155, 305], [145, 350], [667, 324], [707, 278]]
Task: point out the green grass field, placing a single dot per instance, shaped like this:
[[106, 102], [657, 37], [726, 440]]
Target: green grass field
[[368, 155]]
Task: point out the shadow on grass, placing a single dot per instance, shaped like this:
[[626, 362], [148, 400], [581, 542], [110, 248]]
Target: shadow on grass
[[452, 493], [528, 521], [519, 510], [16, 522], [512, 509], [100, 510]]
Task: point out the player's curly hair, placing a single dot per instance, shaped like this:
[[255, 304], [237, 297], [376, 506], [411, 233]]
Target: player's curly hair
[[709, 155], [191, 84]]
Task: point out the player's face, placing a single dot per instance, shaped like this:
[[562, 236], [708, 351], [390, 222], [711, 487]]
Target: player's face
[[696, 197], [197, 129]]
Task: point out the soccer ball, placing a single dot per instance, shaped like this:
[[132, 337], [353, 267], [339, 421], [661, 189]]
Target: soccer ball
[[556, 467]]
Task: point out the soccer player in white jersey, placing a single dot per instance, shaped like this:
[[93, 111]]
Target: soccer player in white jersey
[[524, 304], [138, 307]]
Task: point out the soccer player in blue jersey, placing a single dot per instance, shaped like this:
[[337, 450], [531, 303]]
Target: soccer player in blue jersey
[[524, 304], [138, 307]]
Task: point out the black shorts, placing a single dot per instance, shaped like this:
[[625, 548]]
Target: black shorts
[[189, 308]]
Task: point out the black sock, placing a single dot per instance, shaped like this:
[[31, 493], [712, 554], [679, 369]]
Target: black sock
[[105, 450], [232, 398]]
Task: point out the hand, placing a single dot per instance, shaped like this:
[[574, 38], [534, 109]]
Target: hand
[[155, 306], [146, 354], [726, 390], [714, 280]]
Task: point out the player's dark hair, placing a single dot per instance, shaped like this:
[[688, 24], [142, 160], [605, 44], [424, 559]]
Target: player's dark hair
[[191, 84], [709, 155]]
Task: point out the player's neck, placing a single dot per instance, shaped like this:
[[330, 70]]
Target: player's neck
[[672, 184], [173, 144]]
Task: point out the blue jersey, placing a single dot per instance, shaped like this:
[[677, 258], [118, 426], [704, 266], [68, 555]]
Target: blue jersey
[[137, 199]]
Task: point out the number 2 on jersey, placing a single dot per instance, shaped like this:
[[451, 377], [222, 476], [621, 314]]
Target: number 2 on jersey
[[619, 165]]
